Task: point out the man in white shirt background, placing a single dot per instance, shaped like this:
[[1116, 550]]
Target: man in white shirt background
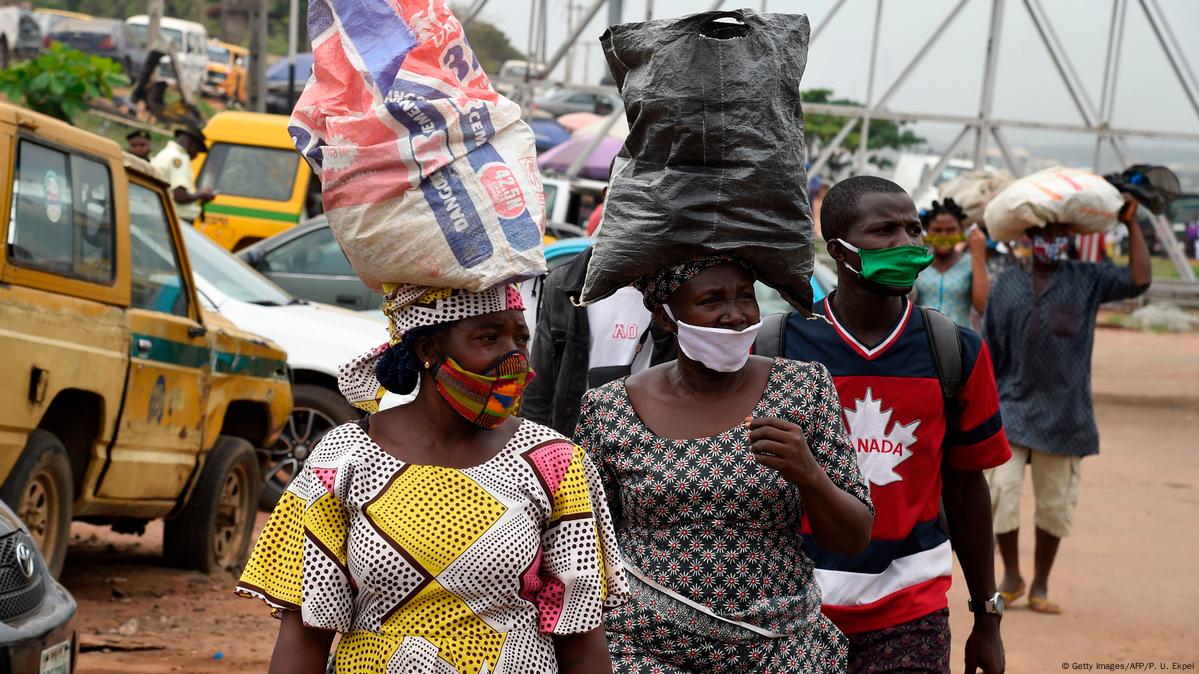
[[174, 162]]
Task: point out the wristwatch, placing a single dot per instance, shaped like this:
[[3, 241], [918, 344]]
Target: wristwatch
[[993, 606]]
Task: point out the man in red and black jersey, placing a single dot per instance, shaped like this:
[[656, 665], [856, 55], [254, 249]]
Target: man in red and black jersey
[[891, 599]]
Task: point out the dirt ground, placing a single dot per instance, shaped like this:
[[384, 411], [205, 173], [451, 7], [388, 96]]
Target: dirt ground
[[1126, 578]]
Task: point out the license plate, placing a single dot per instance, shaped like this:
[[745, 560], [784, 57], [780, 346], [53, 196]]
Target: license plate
[[57, 659]]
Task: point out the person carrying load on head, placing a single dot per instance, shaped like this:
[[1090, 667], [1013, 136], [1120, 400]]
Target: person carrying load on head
[[446, 535], [710, 463], [1040, 325]]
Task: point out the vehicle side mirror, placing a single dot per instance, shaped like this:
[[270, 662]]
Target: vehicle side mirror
[[254, 258]]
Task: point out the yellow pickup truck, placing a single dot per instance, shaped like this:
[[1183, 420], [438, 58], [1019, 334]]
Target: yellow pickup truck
[[121, 399]]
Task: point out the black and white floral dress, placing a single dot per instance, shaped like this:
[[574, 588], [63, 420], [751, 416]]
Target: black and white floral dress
[[720, 532]]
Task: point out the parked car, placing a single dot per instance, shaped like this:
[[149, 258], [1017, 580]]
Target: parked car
[[190, 40], [513, 74], [318, 338], [98, 37], [227, 77], [571, 200], [276, 83], [47, 19], [126, 400], [559, 101], [307, 262], [263, 185], [37, 615], [20, 36]]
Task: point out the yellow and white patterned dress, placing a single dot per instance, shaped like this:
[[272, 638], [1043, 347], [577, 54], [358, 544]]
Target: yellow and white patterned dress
[[442, 570]]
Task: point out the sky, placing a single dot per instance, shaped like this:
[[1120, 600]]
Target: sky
[[1027, 86]]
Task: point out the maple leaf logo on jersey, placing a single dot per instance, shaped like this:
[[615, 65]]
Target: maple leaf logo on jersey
[[879, 450]]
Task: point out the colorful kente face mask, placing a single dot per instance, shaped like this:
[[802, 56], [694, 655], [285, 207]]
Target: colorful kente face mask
[[486, 400], [1049, 249]]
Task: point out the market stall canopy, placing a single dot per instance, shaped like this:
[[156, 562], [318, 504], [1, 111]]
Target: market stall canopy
[[548, 133], [619, 130], [574, 121], [597, 167]]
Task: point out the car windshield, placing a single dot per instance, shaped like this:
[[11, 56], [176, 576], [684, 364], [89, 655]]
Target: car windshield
[[249, 171], [220, 269], [218, 54], [139, 31]]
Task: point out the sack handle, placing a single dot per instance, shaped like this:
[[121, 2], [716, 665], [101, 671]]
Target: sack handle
[[711, 20]]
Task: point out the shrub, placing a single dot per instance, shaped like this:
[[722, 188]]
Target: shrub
[[61, 81]]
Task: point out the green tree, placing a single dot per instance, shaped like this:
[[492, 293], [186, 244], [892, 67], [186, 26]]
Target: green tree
[[61, 81], [884, 134], [490, 44]]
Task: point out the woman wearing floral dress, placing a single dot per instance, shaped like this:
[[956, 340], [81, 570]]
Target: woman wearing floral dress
[[710, 464], [444, 536]]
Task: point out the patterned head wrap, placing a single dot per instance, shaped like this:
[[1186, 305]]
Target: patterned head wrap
[[657, 287], [407, 308]]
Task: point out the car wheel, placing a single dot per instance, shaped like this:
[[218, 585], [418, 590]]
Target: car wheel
[[315, 411], [214, 529], [39, 490]]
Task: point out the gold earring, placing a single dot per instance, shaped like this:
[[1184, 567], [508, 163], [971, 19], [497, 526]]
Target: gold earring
[[426, 364]]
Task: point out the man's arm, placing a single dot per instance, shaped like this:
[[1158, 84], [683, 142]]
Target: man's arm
[[980, 285], [967, 502], [1138, 252], [182, 196]]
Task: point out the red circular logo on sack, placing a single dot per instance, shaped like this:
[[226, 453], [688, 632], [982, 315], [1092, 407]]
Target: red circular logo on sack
[[504, 190]]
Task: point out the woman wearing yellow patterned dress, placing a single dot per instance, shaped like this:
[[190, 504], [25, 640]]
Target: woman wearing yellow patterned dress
[[444, 536]]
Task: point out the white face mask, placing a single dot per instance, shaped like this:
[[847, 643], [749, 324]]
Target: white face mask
[[718, 349]]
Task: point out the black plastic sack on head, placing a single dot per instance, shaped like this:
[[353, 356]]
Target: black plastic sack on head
[[714, 160], [1155, 187]]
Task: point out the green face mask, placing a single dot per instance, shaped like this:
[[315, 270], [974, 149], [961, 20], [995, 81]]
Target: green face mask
[[897, 267]]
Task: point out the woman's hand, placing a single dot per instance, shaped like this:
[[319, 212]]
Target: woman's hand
[[300, 649], [976, 242], [781, 445], [839, 520]]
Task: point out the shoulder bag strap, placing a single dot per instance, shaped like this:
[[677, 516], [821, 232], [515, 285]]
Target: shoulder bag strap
[[769, 342]]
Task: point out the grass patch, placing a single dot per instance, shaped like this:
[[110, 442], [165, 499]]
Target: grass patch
[[1163, 268]]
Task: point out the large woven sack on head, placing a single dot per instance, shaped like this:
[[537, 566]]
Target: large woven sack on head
[[714, 159], [973, 190], [1084, 200], [429, 177]]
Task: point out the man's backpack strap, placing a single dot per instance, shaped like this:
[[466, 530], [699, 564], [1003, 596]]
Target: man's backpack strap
[[769, 342], [945, 344]]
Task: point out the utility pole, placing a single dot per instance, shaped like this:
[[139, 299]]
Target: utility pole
[[154, 10], [258, 57], [649, 10], [293, 20], [570, 55]]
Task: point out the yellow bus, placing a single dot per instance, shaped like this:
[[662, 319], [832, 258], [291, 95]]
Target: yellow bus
[[263, 186]]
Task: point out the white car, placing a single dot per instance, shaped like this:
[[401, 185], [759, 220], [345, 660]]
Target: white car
[[318, 338]]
